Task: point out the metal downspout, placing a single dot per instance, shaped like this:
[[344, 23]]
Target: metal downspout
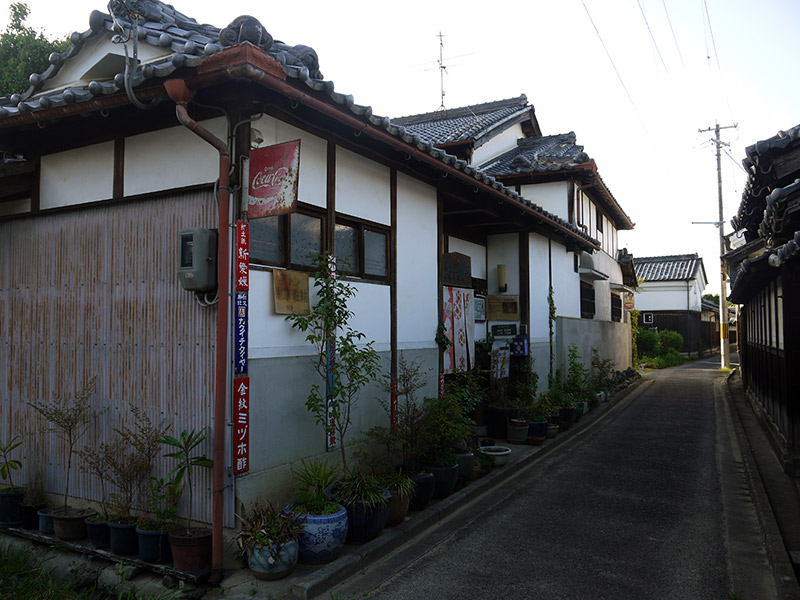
[[181, 95]]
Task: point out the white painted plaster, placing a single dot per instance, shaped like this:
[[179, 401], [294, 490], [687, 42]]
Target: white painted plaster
[[539, 286], [566, 283], [499, 144], [668, 295], [77, 176], [553, 197], [417, 310], [75, 70], [362, 187], [476, 252], [171, 158], [312, 187]]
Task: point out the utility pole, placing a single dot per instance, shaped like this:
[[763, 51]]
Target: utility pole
[[724, 343]]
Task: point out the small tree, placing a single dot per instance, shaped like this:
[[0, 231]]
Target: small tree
[[8, 464], [185, 446], [70, 420], [23, 51], [343, 361]]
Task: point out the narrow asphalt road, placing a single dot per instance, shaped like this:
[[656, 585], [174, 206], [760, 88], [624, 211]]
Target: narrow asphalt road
[[633, 509]]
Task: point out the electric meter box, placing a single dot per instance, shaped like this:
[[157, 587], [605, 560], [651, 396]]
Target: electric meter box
[[197, 256]]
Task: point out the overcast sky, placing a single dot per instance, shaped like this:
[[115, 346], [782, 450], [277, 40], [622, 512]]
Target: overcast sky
[[635, 80]]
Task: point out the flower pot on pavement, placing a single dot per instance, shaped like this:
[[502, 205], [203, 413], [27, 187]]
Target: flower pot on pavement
[[191, 549]]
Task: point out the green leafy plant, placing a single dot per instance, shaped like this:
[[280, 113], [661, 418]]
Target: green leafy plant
[[447, 422], [311, 479], [551, 324], [7, 464], [70, 420], [402, 440], [344, 362], [360, 485], [162, 505], [267, 527], [128, 461], [185, 447], [397, 483]]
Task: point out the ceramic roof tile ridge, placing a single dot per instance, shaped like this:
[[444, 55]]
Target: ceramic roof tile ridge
[[464, 111], [679, 267]]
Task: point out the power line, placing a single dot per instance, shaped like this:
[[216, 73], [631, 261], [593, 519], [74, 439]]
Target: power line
[[652, 37], [622, 83], [677, 47], [711, 31]]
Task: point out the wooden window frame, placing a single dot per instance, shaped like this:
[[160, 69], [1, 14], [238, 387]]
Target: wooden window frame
[[616, 308], [588, 303], [360, 225]]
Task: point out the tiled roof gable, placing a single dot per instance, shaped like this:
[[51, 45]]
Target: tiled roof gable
[[538, 154], [681, 267], [464, 123]]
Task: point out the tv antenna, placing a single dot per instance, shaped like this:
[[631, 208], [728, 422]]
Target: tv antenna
[[442, 70]]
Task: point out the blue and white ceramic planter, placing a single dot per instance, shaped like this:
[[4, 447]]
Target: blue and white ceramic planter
[[323, 536], [271, 562]]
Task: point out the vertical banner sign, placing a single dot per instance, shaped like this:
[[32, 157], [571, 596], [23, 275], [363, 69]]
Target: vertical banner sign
[[242, 256], [240, 334], [241, 425], [273, 179], [330, 384]]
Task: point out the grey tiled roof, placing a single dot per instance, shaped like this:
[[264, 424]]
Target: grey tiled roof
[[158, 25], [680, 267], [190, 43], [538, 154], [758, 164], [464, 123]]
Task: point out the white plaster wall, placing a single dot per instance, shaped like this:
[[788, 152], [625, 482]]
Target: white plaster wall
[[417, 281], [313, 157], [539, 287], [499, 144], [602, 289], [475, 251], [503, 249], [552, 197], [362, 187], [171, 158], [566, 283], [74, 70], [77, 176], [668, 295]]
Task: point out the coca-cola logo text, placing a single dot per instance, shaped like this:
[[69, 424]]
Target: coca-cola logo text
[[269, 178]]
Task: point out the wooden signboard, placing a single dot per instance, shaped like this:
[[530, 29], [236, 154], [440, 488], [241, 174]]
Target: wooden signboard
[[457, 270], [502, 308], [291, 292]]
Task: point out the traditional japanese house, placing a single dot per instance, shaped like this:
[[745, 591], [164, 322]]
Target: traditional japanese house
[[765, 282], [136, 246]]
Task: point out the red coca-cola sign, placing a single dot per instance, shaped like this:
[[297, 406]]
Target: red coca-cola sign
[[272, 187]]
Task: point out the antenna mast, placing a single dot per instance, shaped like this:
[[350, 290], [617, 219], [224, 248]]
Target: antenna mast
[[442, 70]]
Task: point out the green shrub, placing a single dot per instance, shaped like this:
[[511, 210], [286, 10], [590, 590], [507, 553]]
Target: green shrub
[[647, 342], [670, 340]]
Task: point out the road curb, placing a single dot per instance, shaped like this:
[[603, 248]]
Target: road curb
[[778, 556]]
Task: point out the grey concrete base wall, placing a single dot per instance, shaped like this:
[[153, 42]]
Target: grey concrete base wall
[[283, 432], [612, 341]]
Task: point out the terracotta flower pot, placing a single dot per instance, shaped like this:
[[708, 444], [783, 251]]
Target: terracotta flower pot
[[191, 551]]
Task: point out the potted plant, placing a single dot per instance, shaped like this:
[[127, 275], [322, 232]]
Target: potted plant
[[10, 495], [401, 488], [324, 522], [70, 420], [191, 546], [130, 458], [366, 502], [98, 463], [404, 438], [154, 526], [268, 541], [356, 364], [33, 499]]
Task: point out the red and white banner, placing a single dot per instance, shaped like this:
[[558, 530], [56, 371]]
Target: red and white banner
[[273, 180], [242, 256]]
